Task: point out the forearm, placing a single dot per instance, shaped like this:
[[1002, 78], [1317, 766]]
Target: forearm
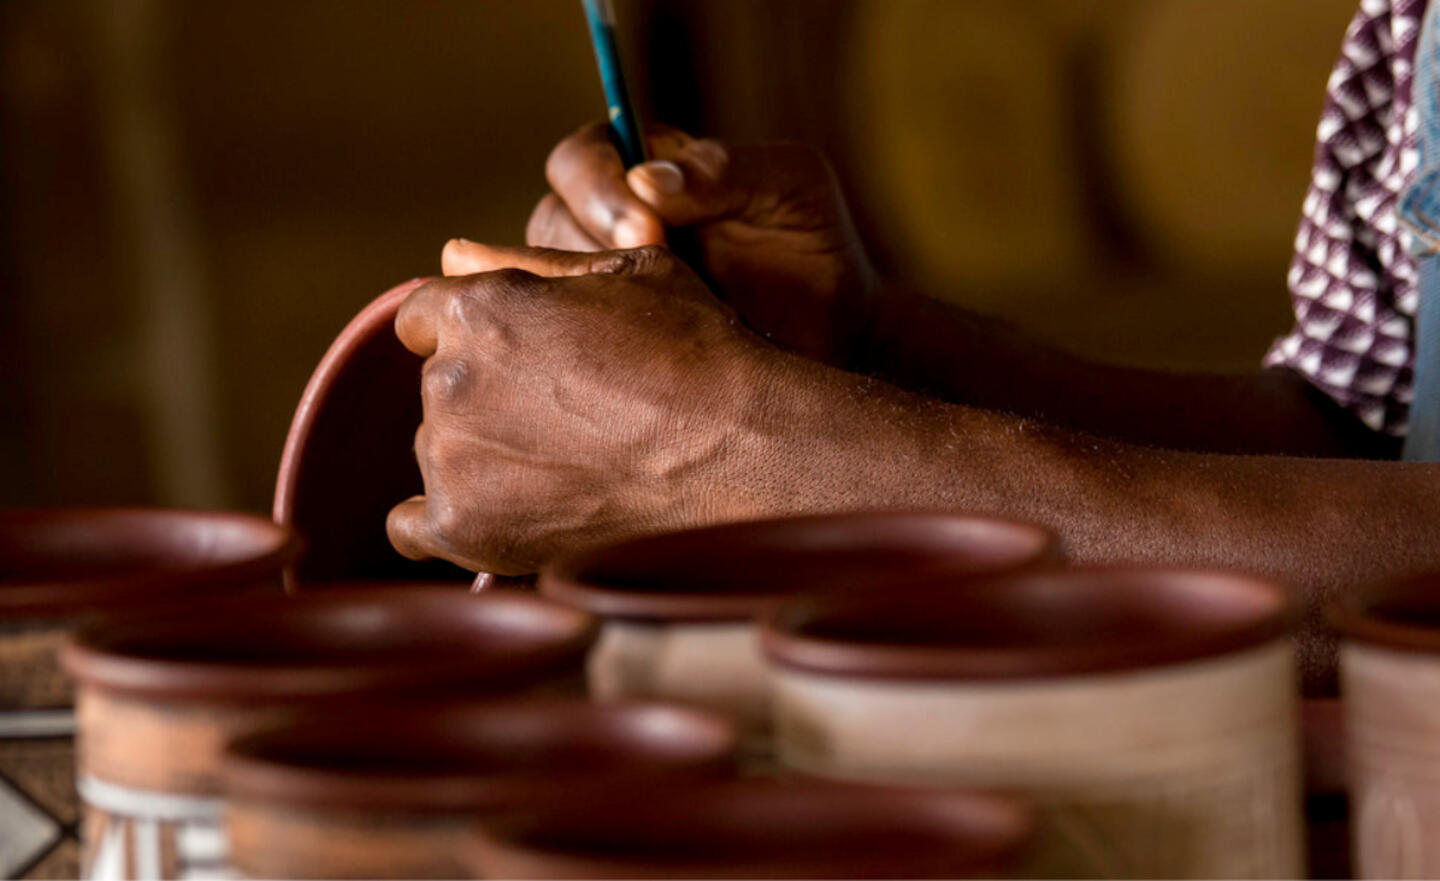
[[945, 352], [1318, 525]]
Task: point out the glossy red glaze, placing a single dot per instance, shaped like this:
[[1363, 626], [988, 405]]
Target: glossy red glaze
[[1034, 624], [62, 562], [755, 828], [337, 642], [735, 571], [469, 756]]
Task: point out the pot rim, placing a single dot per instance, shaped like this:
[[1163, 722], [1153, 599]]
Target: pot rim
[[1028, 545], [1157, 617], [112, 657], [1375, 614], [377, 317], [642, 737], [741, 826], [275, 545]]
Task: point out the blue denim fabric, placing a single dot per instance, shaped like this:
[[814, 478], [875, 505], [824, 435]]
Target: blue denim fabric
[[1420, 212]]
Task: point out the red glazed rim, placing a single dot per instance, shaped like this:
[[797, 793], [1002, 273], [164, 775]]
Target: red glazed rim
[[61, 562], [472, 756], [736, 571], [1034, 624], [377, 317], [1400, 614], [755, 828], [342, 641]]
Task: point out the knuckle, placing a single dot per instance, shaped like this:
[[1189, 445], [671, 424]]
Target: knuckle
[[447, 520], [444, 382], [634, 261]]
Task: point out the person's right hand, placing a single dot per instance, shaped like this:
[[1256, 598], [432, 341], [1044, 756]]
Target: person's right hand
[[775, 238]]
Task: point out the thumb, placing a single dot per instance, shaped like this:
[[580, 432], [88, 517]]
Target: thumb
[[693, 181]]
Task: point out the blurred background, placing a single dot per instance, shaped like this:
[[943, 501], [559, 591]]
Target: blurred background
[[198, 195]]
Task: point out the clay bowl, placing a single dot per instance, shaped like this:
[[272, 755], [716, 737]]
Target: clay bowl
[[390, 792], [680, 608], [755, 829], [1390, 681], [158, 699], [63, 563], [349, 457], [58, 566], [1091, 691]]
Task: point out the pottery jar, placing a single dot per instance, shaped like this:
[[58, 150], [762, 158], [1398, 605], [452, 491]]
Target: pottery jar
[[157, 700], [755, 828], [1390, 683], [1150, 714], [391, 793], [680, 608], [58, 566]]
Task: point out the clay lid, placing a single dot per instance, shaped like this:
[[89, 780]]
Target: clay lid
[[736, 571], [1400, 614], [1035, 624], [754, 828], [472, 756], [62, 562], [336, 642], [349, 456]]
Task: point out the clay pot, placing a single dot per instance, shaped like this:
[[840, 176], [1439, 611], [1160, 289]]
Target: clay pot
[[1150, 714], [349, 457], [158, 699], [1390, 681], [754, 828], [56, 567], [680, 608], [390, 793]]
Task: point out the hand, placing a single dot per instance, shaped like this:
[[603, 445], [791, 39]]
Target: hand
[[572, 398], [773, 233]]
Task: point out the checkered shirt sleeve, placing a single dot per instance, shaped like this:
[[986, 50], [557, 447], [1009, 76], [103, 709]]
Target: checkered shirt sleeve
[[1352, 279]]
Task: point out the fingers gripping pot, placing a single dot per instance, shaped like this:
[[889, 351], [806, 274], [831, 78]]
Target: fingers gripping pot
[[754, 828], [393, 795], [158, 699], [58, 567], [1390, 682], [680, 609], [1150, 714]]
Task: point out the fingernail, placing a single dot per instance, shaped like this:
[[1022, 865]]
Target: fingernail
[[665, 176], [628, 233]]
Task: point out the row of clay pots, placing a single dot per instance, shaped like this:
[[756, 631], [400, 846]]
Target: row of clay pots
[[360, 732], [1150, 715], [59, 568]]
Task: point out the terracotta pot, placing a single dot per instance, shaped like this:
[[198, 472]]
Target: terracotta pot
[[680, 608], [56, 567], [349, 457], [755, 829], [1150, 714], [158, 699], [1390, 681], [390, 792]]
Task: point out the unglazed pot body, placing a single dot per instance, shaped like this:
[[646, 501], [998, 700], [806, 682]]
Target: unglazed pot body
[[1186, 770], [1392, 707], [38, 805], [715, 665], [147, 772]]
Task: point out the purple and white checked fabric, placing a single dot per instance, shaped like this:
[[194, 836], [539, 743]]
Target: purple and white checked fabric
[[1352, 280]]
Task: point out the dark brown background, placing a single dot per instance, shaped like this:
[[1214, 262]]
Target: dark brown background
[[197, 195]]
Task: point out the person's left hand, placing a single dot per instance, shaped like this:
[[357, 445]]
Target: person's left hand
[[571, 398]]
